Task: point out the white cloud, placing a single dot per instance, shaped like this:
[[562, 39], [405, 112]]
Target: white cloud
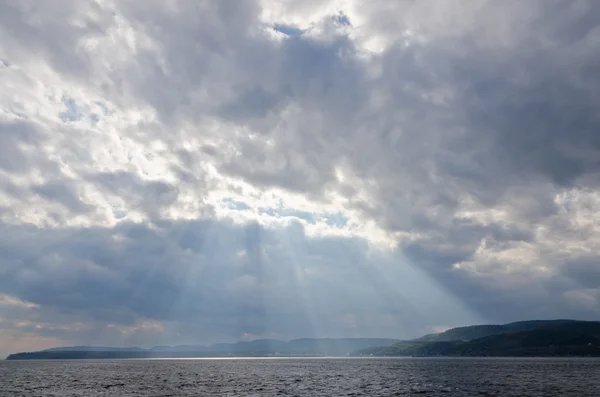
[[7, 300]]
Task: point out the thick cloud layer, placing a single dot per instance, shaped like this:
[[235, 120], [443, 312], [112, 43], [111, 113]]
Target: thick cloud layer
[[191, 172]]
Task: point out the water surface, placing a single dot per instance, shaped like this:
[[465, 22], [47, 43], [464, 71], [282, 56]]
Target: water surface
[[302, 377]]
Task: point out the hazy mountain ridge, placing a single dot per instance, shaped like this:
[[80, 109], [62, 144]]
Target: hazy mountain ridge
[[259, 347], [93, 348]]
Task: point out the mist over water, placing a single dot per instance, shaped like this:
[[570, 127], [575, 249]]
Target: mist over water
[[303, 377]]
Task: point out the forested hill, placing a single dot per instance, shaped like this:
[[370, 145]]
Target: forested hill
[[480, 331], [530, 338]]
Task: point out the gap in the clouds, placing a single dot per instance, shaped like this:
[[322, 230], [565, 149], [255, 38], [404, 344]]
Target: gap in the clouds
[[288, 30], [77, 110], [332, 220], [341, 19], [72, 111], [309, 217], [235, 205]]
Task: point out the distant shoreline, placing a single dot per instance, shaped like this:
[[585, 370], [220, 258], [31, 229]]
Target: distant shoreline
[[534, 339], [250, 358]]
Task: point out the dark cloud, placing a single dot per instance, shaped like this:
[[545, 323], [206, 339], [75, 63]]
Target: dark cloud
[[15, 137], [151, 196], [63, 193], [583, 271], [238, 279]]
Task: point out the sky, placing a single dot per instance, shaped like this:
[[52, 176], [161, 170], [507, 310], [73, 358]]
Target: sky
[[191, 172]]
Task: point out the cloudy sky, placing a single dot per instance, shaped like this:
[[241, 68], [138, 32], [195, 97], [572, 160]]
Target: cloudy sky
[[201, 171]]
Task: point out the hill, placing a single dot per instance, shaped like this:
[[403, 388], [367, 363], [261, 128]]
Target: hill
[[480, 331], [531, 338]]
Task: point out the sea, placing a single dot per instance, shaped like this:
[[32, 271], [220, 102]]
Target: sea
[[303, 377]]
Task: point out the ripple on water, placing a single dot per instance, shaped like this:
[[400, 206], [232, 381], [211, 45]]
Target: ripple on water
[[303, 377]]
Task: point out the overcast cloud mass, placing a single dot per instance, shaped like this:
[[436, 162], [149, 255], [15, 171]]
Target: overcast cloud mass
[[177, 172]]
